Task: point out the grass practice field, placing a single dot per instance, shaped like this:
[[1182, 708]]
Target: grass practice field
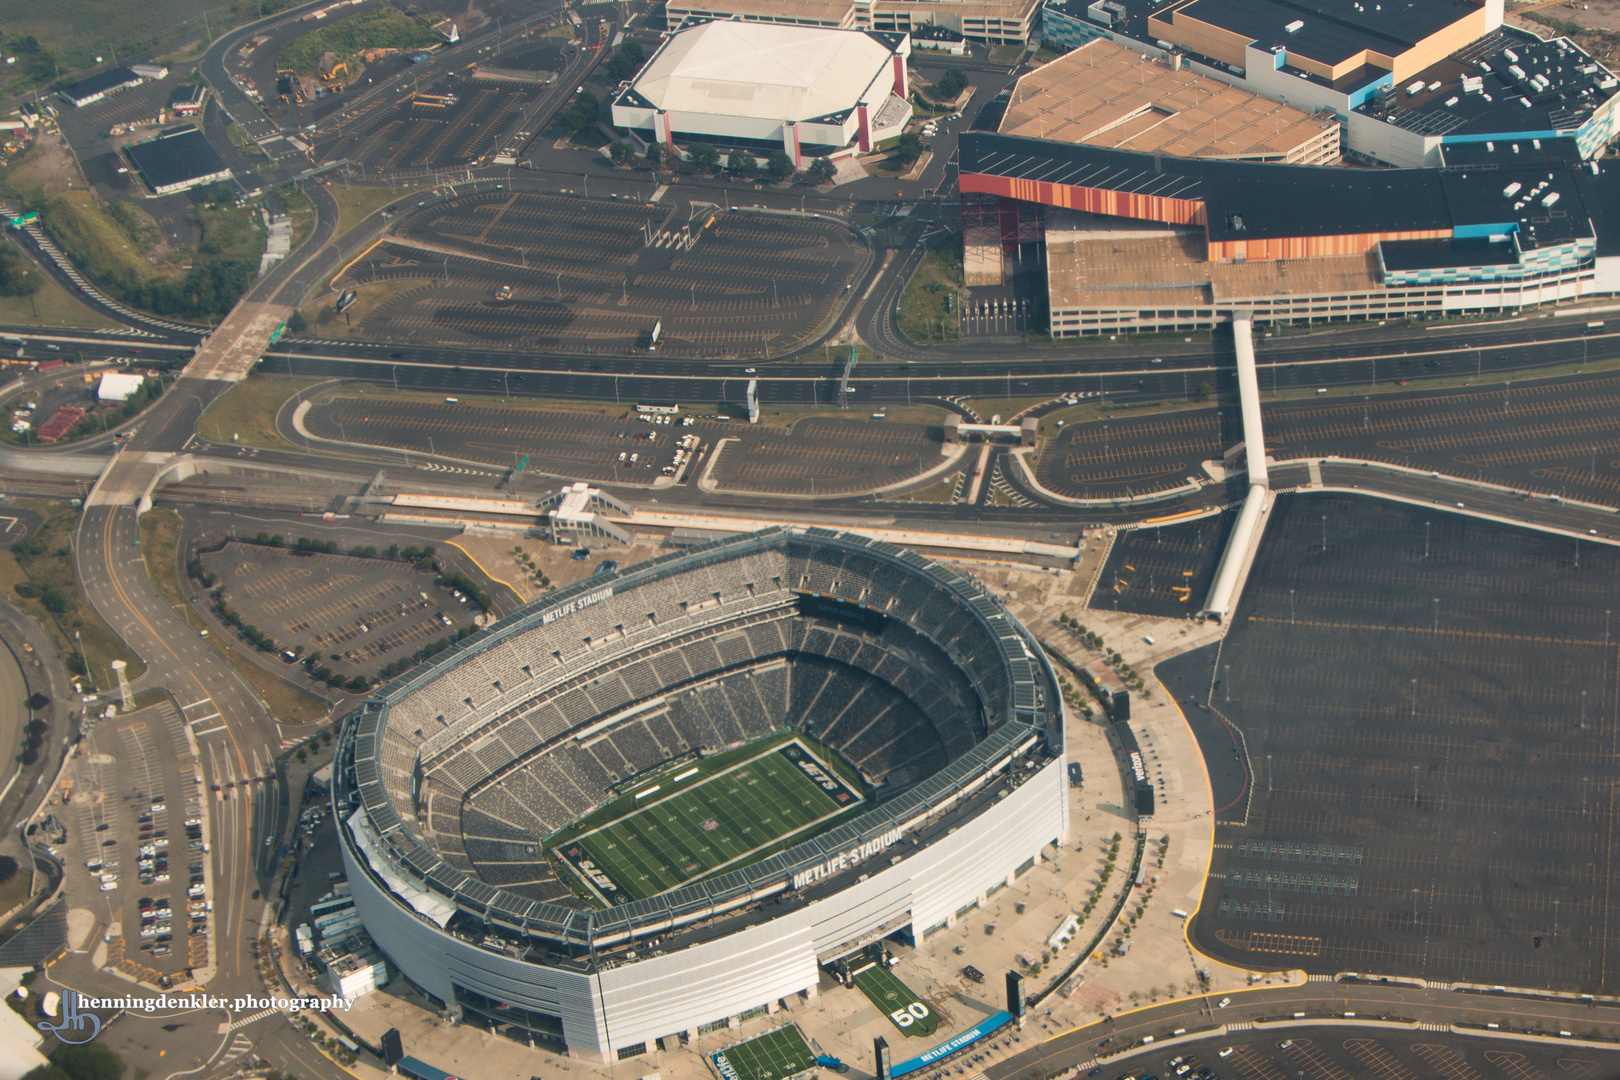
[[891, 996], [697, 822], [771, 1056]]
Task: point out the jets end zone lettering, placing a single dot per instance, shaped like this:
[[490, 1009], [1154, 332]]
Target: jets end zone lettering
[[586, 867], [578, 603], [845, 859]]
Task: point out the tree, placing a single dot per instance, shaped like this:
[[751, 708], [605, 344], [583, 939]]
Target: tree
[[621, 152], [704, 156], [17, 278], [89, 1061], [950, 84], [657, 156], [296, 322], [580, 113], [38, 701], [626, 59], [780, 166], [822, 170], [908, 148], [742, 164], [1202, 392]]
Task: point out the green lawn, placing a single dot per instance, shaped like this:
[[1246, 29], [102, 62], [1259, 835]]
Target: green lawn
[[897, 1000], [771, 1056], [923, 312], [689, 823]]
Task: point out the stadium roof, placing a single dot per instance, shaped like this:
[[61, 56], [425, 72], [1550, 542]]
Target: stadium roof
[[176, 158], [1333, 30], [762, 72], [1107, 95]]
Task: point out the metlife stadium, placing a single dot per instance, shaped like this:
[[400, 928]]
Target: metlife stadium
[[492, 805]]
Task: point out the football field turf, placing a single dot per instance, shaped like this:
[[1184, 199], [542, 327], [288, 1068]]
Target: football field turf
[[714, 822], [773, 1055], [895, 998]]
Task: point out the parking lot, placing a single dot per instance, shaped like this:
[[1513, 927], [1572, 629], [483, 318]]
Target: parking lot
[[1428, 708], [1164, 571], [134, 822], [825, 456], [359, 614], [1340, 1054], [563, 272], [1549, 436]]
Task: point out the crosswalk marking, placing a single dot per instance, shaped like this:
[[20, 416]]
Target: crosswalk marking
[[246, 1020]]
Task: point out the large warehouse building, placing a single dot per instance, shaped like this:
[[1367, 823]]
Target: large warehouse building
[[1152, 242], [511, 814], [810, 92], [1403, 79]]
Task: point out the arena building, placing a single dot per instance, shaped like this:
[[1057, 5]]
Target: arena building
[[810, 92], [659, 799], [1149, 241]]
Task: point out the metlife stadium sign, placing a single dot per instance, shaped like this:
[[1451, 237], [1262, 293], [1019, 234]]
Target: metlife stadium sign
[[845, 859], [578, 603]]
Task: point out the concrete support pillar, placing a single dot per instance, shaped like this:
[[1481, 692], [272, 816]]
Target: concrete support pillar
[[812, 992], [691, 1035], [733, 1023], [863, 129]]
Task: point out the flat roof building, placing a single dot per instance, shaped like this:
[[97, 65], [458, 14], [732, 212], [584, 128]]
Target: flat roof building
[[93, 88], [993, 21], [811, 92], [178, 159], [1104, 94], [187, 100], [1154, 242]]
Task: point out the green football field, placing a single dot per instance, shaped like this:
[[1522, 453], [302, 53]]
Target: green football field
[[714, 822], [773, 1055], [894, 998]]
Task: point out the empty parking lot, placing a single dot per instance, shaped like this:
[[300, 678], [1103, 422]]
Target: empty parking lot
[[556, 271], [1428, 703]]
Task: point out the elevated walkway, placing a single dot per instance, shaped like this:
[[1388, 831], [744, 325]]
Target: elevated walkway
[[1233, 570]]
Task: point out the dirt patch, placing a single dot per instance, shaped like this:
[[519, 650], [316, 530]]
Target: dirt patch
[[524, 564]]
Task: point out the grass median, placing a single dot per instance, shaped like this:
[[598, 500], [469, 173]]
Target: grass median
[[246, 413]]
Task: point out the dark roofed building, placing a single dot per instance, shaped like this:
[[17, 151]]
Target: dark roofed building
[[178, 159], [93, 88]]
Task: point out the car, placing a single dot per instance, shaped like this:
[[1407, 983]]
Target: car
[[109, 886], [149, 931], [1285, 1044], [1226, 1053], [1223, 1003]]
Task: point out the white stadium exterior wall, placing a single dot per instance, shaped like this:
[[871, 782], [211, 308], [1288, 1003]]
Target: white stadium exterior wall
[[663, 995]]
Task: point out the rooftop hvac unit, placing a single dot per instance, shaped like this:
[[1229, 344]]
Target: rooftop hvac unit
[[1552, 197], [1296, 26], [1415, 89], [1435, 85], [1511, 190], [1511, 55]]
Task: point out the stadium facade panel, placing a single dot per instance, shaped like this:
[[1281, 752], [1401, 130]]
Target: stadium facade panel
[[449, 782]]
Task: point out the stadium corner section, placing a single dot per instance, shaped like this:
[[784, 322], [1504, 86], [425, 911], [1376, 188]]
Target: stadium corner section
[[606, 983]]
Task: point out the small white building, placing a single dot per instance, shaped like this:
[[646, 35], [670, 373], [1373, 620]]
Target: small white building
[[813, 92], [117, 386]]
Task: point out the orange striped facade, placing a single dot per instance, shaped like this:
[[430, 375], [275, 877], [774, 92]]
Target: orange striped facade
[[1091, 200], [1185, 212]]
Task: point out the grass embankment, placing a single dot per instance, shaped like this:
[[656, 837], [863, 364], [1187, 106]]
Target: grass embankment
[[385, 29], [51, 305], [353, 318], [37, 575], [923, 315], [160, 542], [109, 242], [248, 411]]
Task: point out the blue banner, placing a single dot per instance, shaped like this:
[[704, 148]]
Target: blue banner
[[988, 1026]]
